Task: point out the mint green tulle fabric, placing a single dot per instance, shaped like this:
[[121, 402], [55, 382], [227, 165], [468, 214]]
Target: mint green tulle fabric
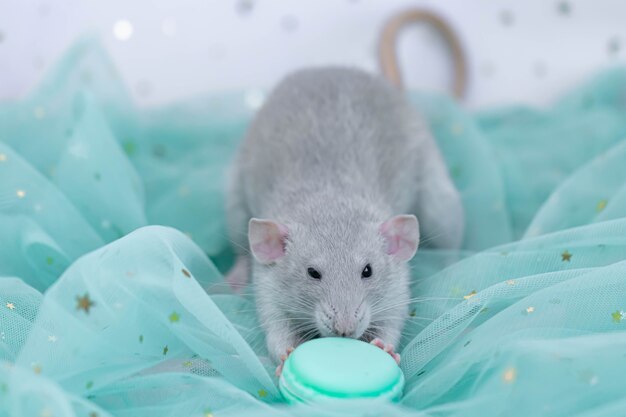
[[113, 248]]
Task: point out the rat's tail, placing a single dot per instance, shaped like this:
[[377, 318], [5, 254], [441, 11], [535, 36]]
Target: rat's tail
[[387, 54]]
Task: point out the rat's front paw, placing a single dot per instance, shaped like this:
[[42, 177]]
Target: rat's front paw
[[283, 358], [387, 348]]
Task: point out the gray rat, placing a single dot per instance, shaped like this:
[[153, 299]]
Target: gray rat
[[327, 182]]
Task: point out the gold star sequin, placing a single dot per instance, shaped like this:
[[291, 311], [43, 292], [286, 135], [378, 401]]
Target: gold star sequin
[[129, 147], [3, 157], [187, 364], [20, 193], [45, 413], [601, 205], [617, 316], [509, 375], [52, 338], [207, 413], [510, 282], [93, 414], [174, 317], [566, 256], [470, 295], [10, 306], [36, 368], [412, 313], [262, 393], [186, 273], [84, 303], [530, 309]]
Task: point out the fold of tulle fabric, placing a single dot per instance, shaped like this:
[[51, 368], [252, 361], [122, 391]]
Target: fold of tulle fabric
[[113, 247]]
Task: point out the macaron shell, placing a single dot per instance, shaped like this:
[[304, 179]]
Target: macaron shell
[[340, 368]]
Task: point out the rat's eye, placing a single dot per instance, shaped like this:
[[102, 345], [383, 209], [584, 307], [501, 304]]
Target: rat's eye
[[367, 271], [314, 274]]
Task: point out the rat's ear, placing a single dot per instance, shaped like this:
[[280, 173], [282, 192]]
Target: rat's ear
[[402, 236], [267, 240]]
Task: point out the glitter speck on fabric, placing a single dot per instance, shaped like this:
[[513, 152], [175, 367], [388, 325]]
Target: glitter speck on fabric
[[174, 317], [566, 256], [509, 375], [470, 295], [617, 316], [84, 303]]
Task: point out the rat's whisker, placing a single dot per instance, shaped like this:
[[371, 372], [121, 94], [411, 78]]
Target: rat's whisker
[[416, 300]]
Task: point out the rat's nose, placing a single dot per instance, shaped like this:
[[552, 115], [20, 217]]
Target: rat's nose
[[344, 328]]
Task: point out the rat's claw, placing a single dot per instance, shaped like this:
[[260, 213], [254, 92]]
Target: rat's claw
[[387, 348], [378, 343], [279, 369], [283, 358]]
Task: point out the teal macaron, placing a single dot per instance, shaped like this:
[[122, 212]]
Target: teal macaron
[[338, 368]]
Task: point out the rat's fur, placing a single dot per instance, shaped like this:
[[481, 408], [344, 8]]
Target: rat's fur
[[331, 155]]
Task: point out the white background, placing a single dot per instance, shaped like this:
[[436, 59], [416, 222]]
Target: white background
[[519, 51]]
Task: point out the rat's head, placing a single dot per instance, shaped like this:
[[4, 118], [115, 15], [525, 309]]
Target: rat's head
[[335, 277]]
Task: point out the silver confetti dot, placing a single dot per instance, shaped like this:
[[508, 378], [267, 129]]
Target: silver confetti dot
[[289, 23], [254, 99], [540, 69], [123, 30], [614, 46], [144, 88], [565, 8], [506, 17], [244, 7]]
